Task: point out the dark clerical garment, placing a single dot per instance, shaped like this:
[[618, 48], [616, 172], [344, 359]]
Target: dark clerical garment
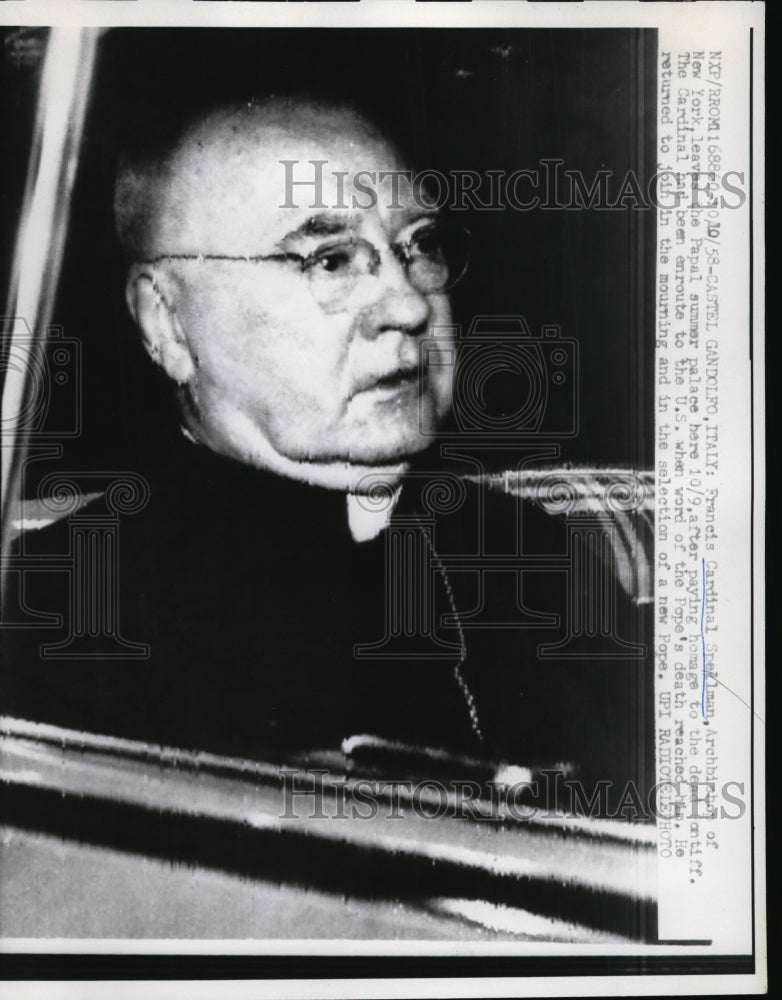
[[232, 611]]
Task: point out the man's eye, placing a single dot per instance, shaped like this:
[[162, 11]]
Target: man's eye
[[428, 243], [330, 260]]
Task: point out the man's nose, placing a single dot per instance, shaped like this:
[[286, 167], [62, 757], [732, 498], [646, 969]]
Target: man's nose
[[396, 304]]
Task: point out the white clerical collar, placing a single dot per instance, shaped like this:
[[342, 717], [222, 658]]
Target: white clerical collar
[[368, 515]]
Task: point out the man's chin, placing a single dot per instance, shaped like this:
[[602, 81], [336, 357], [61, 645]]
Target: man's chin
[[370, 458], [393, 451], [363, 447], [365, 454]]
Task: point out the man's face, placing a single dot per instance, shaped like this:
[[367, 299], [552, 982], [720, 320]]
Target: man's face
[[277, 359]]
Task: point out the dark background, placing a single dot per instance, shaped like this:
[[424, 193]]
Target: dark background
[[480, 99]]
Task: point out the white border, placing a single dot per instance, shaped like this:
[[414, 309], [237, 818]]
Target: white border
[[479, 13], [742, 14]]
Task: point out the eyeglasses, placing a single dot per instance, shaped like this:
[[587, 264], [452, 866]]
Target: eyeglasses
[[435, 256]]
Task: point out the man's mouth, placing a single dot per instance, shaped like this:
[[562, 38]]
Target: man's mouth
[[396, 381]]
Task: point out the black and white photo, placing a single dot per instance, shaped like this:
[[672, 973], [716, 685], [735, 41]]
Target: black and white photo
[[364, 527]]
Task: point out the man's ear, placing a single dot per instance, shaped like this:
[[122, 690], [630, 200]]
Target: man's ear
[[161, 330]]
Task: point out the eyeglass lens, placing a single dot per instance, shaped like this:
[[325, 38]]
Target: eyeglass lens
[[434, 259]]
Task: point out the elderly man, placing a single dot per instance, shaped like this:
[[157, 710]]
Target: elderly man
[[307, 342], [292, 333]]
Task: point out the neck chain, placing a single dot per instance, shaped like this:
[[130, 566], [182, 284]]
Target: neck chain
[[457, 670]]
